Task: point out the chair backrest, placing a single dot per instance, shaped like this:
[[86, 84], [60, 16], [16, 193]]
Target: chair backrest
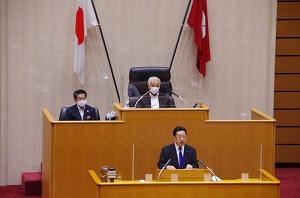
[[138, 76], [97, 115], [62, 115]]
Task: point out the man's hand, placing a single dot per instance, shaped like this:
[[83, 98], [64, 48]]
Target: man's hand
[[189, 166], [170, 167]]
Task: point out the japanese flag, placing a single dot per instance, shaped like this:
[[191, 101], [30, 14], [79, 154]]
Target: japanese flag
[[85, 18]]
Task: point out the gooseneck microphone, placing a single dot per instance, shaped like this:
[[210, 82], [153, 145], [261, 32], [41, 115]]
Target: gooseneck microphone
[[168, 162], [175, 94], [140, 98], [179, 97], [214, 177]]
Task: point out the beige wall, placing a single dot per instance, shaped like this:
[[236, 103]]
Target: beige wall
[[37, 45]]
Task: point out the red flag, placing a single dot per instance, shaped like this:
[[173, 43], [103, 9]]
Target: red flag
[[199, 22], [85, 18]]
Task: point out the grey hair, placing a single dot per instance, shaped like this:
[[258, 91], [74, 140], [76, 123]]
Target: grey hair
[[153, 78]]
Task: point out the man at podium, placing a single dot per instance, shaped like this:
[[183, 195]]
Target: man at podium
[[182, 155]]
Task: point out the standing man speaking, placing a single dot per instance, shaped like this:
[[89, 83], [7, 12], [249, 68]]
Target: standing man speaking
[[182, 155]]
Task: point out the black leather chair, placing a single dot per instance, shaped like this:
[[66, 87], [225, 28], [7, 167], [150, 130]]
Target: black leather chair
[[63, 111], [138, 76], [62, 115]]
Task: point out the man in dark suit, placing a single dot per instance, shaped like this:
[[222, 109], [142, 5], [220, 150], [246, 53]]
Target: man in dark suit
[[154, 98], [186, 160], [81, 111]]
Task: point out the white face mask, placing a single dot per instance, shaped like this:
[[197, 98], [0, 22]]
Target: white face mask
[[81, 103], [154, 90]]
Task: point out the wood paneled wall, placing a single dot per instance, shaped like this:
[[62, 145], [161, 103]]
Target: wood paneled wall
[[287, 82]]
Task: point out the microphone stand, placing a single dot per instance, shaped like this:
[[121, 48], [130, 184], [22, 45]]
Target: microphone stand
[[168, 162], [180, 98], [140, 99], [214, 177]]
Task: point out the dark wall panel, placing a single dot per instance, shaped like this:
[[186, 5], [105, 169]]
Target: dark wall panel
[[288, 28], [288, 10], [287, 64], [287, 118], [288, 135], [287, 100], [288, 46], [287, 82]]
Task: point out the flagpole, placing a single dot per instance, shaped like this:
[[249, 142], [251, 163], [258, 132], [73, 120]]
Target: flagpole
[[187, 9], [112, 72]]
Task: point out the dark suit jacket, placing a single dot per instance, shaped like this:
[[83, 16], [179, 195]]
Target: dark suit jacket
[[169, 152], [165, 101], [72, 113]]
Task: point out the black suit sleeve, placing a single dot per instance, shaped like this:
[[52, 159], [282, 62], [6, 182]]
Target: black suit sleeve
[[171, 103], [69, 114], [193, 158], [164, 157], [140, 104], [93, 114], [166, 101], [90, 113], [144, 102]]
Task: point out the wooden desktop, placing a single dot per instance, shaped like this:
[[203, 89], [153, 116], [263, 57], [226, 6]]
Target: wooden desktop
[[266, 186]]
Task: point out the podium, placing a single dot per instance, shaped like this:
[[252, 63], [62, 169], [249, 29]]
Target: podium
[[70, 148], [267, 186]]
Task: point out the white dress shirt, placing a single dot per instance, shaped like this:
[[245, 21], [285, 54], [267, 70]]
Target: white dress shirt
[[154, 101]]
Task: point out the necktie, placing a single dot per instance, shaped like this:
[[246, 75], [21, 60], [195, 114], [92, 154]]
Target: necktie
[[180, 158]]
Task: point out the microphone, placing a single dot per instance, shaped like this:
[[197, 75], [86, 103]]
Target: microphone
[[172, 92], [140, 98], [111, 116], [214, 177], [168, 162], [179, 97], [198, 104], [175, 94]]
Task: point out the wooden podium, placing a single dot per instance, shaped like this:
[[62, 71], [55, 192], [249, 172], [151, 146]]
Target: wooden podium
[[71, 148], [267, 186]]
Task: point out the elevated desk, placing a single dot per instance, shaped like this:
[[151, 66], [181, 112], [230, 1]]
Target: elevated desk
[[224, 145], [71, 148], [268, 186]]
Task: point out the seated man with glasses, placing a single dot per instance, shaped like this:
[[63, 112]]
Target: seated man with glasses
[[182, 155], [80, 111]]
